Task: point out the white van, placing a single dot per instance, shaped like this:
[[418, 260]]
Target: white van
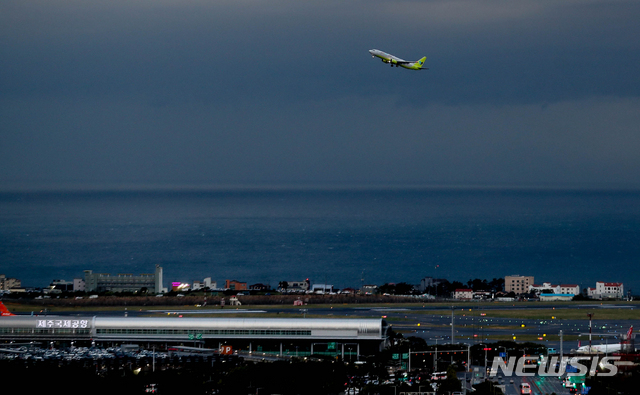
[[438, 376], [525, 389]]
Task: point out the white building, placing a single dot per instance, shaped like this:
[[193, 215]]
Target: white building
[[322, 288], [606, 291], [550, 288], [570, 289], [204, 284], [78, 284], [298, 286], [482, 295], [463, 294]]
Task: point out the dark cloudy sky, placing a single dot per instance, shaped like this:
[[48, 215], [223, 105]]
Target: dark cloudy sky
[[107, 92]]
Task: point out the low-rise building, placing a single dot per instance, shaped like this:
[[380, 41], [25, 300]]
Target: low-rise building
[[604, 290], [79, 285], [322, 288], [295, 286], [235, 285], [260, 287], [204, 284], [463, 294], [555, 297], [8, 283], [545, 288], [482, 295], [556, 289], [62, 285], [570, 289]]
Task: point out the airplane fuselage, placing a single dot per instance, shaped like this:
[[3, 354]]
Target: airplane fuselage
[[396, 61], [600, 348]]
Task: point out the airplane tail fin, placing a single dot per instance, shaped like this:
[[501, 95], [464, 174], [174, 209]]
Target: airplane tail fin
[[579, 343], [421, 61], [3, 309], [630, 332]]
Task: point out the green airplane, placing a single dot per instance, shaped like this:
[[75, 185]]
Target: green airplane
[[395, 61]]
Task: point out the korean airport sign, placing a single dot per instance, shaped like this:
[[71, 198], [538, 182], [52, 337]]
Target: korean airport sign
[[62, 324]]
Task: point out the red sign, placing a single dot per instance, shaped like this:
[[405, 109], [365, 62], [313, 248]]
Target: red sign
[[226, 350]]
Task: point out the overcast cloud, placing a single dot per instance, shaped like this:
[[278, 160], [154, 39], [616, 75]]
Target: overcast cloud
[[206, 92]]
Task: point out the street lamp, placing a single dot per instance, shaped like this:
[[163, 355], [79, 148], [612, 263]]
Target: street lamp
[[485, 359], [435, 356], [464, 384]]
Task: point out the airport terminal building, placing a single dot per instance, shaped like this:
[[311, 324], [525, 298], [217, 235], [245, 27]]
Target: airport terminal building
[[274, 335]]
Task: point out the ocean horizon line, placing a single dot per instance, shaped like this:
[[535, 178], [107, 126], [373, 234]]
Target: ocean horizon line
[[266, 187]]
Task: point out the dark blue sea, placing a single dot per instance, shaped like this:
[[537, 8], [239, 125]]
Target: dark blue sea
[[333, 236]]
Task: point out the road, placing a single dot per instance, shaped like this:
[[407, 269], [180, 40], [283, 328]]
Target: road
[[539, 385]]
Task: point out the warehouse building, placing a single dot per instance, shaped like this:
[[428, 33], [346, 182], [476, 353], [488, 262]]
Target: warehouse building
[[105, 282]]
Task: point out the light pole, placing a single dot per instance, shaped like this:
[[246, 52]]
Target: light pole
[[464, 383], [561, 349], [435, 356], [452, 334], [485, 359], [590, 318]]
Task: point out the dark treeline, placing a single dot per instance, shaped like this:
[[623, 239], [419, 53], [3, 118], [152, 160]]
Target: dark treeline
[[443, 287]]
